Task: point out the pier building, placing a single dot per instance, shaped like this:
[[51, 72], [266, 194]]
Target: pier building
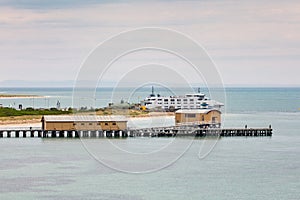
[[203, 117], [84, 122]]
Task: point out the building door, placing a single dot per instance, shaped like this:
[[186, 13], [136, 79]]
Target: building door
[[213, 119]]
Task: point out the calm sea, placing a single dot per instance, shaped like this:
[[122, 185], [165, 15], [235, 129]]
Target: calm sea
[[227, 168]]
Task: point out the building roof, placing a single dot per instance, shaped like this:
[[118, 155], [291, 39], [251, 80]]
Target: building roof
[[83, 118], [193, 94], [195, 111]]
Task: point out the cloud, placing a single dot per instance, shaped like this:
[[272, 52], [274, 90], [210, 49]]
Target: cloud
[[56, 36], [49, 4]]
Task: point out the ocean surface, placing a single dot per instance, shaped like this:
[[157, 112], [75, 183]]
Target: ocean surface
[[160, 168]]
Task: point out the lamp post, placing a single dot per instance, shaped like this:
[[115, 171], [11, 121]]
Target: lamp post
[[33, 102]]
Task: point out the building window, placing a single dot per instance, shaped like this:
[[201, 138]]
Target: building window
[[90, 123], [202, 117], [82, 124], [114, 123], [190, 115], [106, 124], [98, 123]]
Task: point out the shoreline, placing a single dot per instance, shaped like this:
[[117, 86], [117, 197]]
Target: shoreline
[[27, 120], [19, 96], [18, 120]]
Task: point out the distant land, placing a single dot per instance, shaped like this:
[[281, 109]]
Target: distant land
[[70, 84], [16, 96]]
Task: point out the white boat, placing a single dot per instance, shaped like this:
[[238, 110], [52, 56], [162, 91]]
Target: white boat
[[188, 101]]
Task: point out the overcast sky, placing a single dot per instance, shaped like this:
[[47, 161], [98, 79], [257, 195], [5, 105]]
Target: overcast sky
[[251, 42]]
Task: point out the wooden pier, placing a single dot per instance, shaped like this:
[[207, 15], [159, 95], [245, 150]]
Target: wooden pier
[[194, 130], [173, 131]]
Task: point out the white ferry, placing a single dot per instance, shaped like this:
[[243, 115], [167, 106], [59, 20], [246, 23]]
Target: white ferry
[[188, 101]]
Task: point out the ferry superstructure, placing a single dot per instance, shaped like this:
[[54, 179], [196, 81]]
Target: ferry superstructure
[[188, 101]]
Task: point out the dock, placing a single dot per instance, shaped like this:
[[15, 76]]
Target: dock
[[172, 131]]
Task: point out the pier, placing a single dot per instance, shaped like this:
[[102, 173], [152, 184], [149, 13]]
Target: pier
[[173, 131]]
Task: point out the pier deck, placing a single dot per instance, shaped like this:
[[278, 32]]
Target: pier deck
[[174, 131]]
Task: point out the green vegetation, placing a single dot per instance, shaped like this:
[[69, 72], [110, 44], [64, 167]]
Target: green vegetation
[[6, 112], [11, 112], [122, 111], [16, 95]]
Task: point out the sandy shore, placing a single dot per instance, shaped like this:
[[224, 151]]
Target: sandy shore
[[20, 120], [35, 120], [19, 96], [154, 114], [25, 126]]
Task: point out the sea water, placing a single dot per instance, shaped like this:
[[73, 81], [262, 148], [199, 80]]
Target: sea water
[[235, 167], [237, 100]]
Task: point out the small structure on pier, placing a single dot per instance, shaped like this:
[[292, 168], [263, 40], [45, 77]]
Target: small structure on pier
[[84, 122], [202, 117]]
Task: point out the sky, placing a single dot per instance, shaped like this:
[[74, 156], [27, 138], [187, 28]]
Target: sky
[[252, 43]]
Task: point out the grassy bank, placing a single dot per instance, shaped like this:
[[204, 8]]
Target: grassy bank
[[8, 112], [17, 96], [126, 112]]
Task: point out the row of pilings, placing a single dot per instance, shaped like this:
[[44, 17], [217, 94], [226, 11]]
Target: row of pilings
[[141, 132]]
